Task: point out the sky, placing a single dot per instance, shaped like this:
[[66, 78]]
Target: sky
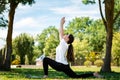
[[44, 13]]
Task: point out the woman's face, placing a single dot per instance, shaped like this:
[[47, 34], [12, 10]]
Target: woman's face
[[66, 38]]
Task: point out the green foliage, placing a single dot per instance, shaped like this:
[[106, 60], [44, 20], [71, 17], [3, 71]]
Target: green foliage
[[98, 63], [88, 1], [78, 26], [48, 40], [3, 22], [88, 63], [116, 49], [116, 10], [81, 48], [90, 30], [23, 45], [2, 6], [24, 2], [50, 46], [96, 36], [117, 25], [117, 6], [41, 41]]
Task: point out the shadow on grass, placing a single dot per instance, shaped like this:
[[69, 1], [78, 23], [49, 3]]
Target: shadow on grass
[[21, 73]]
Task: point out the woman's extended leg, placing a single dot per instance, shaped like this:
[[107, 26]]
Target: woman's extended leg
[[67, 70]]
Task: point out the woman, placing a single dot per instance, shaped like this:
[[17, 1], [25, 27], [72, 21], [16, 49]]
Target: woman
[[62, 59]]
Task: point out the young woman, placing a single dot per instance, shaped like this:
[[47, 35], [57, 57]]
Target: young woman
[[64, 55]]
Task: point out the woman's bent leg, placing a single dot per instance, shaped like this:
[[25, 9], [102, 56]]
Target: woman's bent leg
[[52, 63]]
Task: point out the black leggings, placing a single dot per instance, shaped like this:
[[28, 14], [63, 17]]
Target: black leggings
[[62, 67]]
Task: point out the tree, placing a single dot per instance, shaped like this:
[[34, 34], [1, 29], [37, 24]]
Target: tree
[[81, 49], [12, 7], [50, 45], [23, 45], [95, 34], [108, 19], [80, 24], [90, 30], [48, 40]]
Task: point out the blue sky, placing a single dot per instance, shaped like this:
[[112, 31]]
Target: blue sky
[[44, 13]]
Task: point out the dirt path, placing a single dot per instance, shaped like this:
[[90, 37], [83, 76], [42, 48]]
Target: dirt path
[[26, 66]]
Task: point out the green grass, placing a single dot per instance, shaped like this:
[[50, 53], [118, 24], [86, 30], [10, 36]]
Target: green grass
[[20, 74]]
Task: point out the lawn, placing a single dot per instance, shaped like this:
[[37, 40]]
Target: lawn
[[37, 74]]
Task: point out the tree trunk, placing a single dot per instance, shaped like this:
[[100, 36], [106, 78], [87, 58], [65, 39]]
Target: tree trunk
[[107, 60], [109, 9], [8, 52], [2, 58]]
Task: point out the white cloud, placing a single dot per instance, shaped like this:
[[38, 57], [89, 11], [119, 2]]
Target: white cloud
[[77, 9], [26, 22], [31, 25], [74, 11]]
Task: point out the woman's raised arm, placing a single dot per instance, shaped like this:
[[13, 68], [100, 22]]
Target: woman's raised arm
[[61, 30]]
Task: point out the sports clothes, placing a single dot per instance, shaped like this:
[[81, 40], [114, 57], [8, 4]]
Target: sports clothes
[[61, 52]]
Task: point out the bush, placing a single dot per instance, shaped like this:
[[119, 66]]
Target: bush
[[98, 63], [88, 63], [15, 62]]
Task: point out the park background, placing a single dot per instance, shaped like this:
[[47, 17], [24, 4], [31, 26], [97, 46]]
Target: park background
[[38, 34]]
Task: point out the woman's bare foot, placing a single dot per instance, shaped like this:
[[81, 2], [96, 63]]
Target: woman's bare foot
[[45, 76], [97, 75]]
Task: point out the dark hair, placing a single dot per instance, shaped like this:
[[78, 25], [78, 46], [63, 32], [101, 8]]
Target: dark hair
[[71, 39], [70, 52]]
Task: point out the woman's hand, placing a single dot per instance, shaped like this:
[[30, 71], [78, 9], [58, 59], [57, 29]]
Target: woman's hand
[[62, 20]]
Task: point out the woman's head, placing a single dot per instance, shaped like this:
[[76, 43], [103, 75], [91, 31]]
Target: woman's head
[[69, 38]]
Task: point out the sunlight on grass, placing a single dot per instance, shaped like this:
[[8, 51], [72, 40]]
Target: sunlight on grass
[[93, 68]]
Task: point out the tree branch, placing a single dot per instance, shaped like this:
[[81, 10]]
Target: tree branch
[[104, 21]]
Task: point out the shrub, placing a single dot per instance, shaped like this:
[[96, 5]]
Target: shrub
[[98, 63], [88, 63], [15, 62]]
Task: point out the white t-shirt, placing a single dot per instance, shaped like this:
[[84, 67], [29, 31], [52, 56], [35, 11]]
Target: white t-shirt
[[61, 52]]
